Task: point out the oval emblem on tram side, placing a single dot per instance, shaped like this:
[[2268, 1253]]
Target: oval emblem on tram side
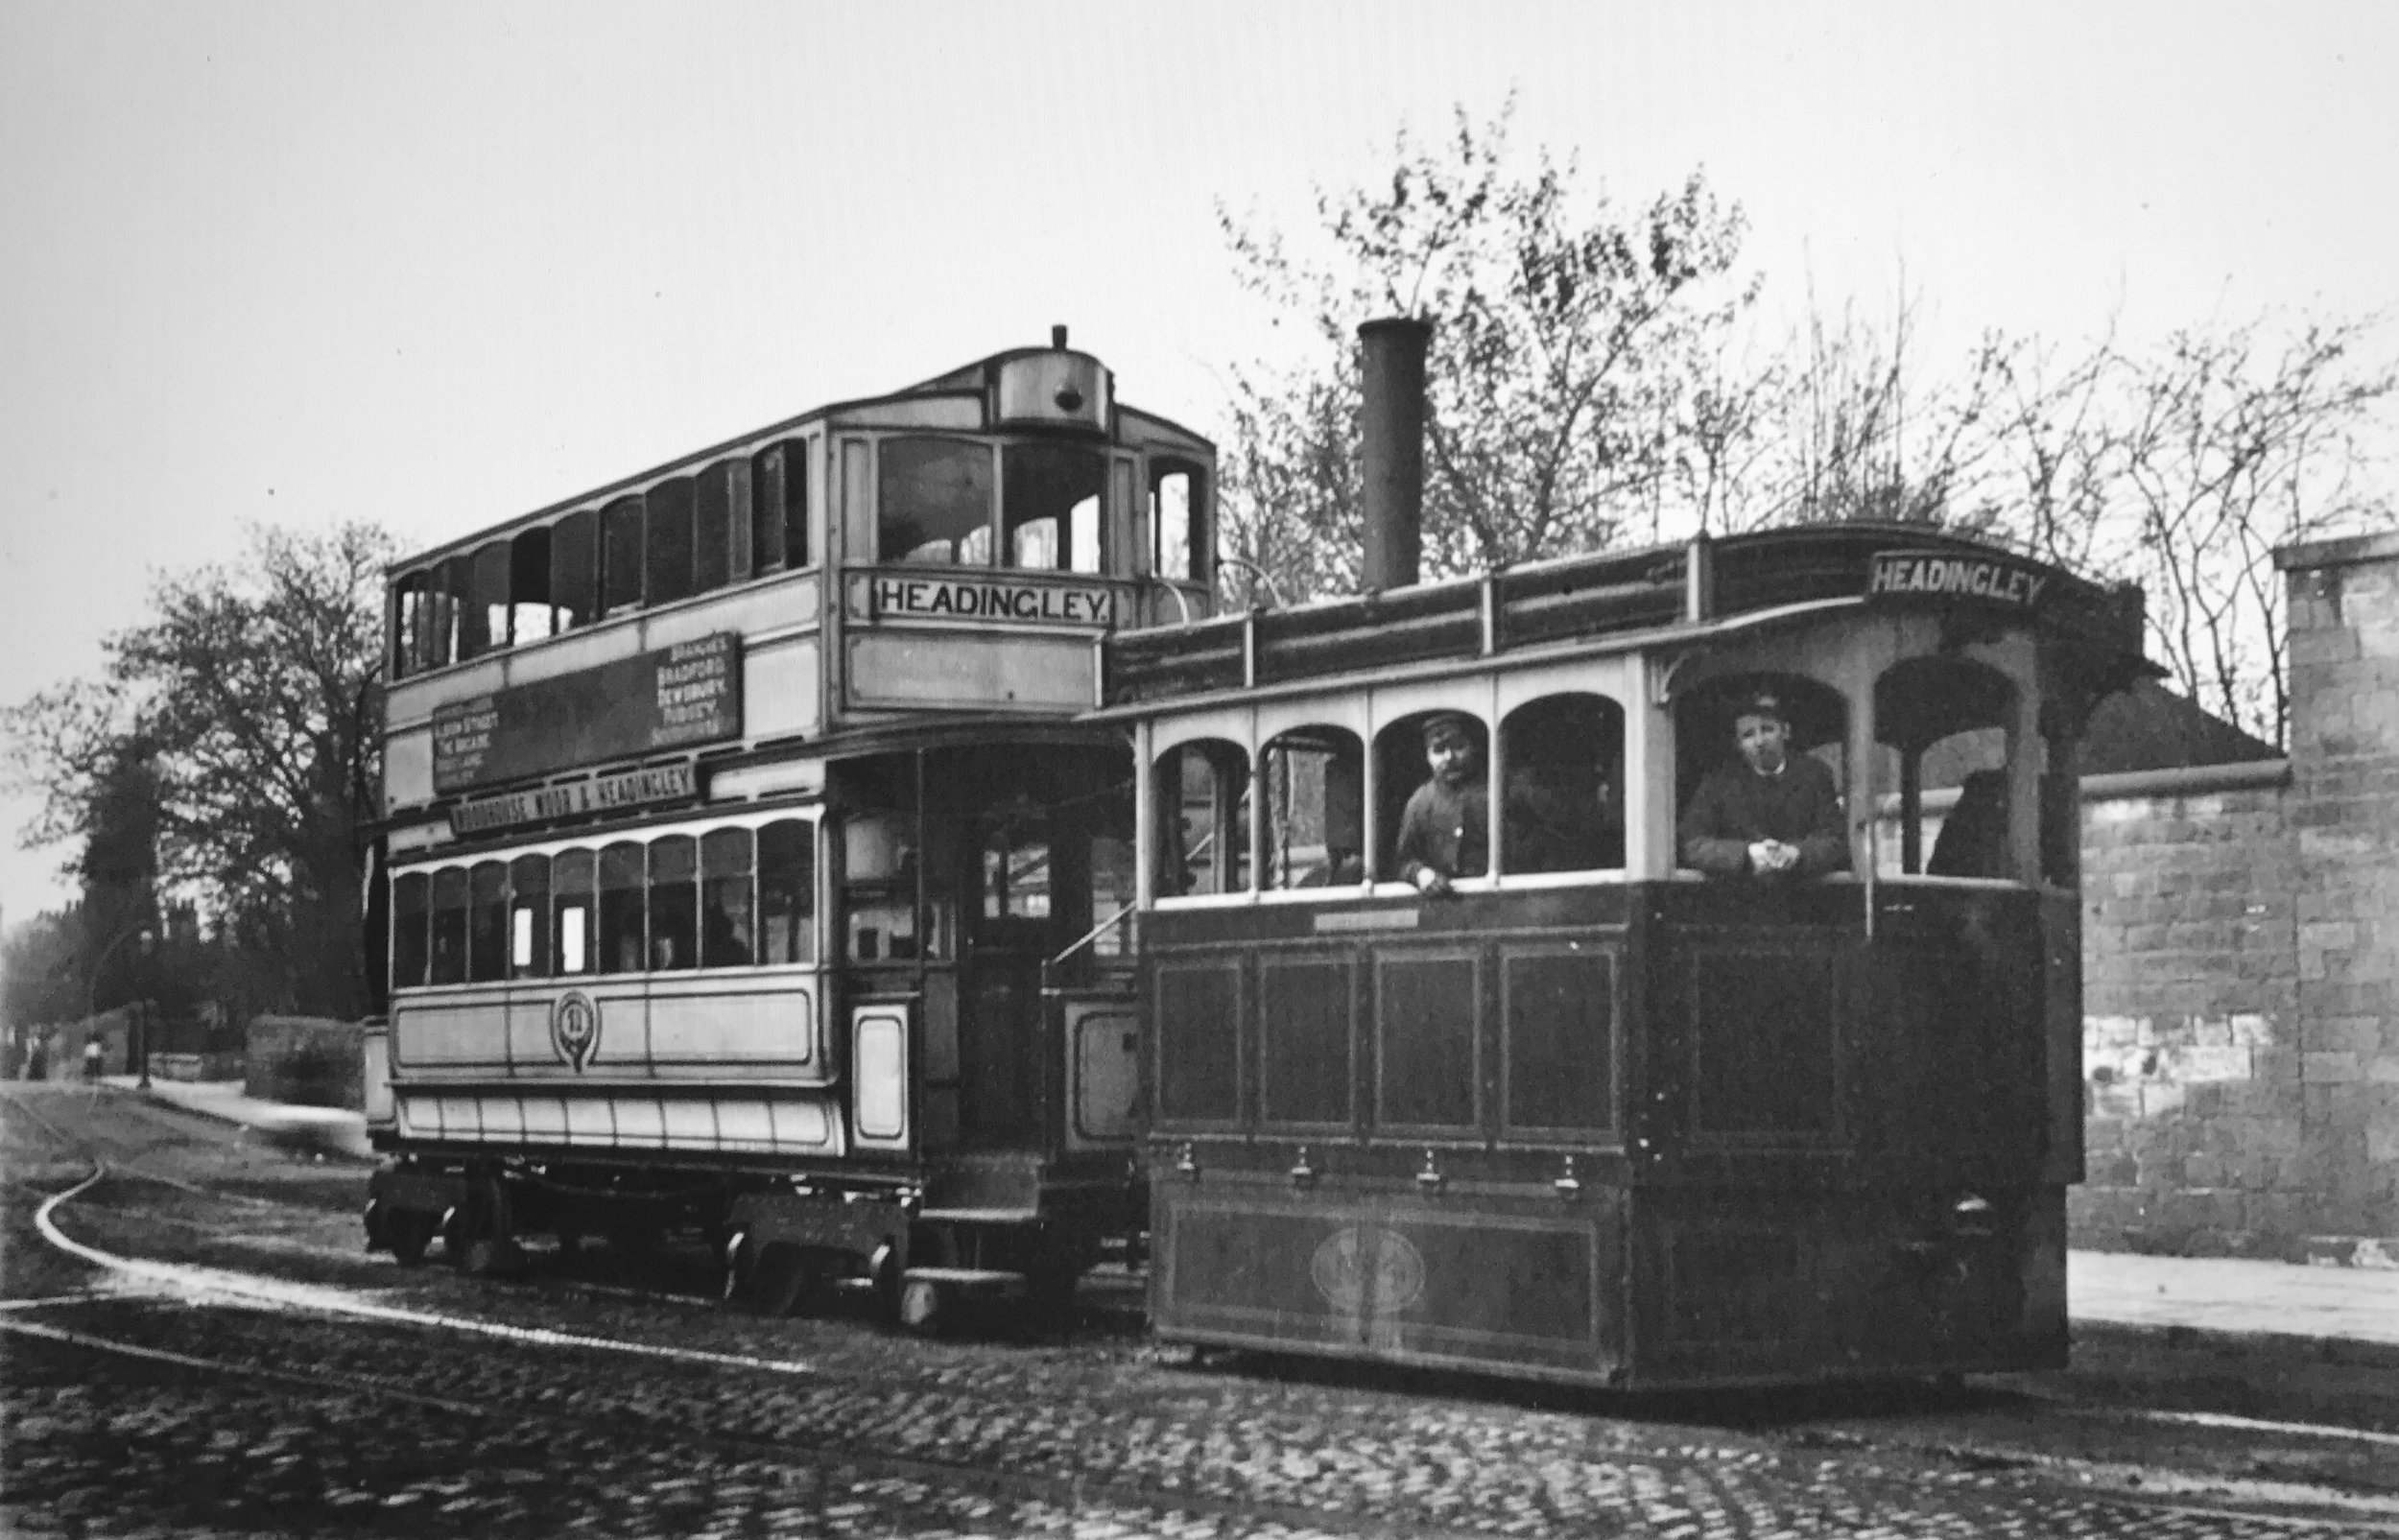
[[1368, 1267], [575, 1028]]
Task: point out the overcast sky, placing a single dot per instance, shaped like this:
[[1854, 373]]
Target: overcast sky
[[432, 266]]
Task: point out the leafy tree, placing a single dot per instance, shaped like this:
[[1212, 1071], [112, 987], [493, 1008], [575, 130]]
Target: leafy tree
[[1565, 336], [250, 697]]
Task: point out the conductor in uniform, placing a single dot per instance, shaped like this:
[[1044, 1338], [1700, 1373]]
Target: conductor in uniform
[[1769, 813]]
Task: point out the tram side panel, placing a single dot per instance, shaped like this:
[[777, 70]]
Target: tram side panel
[[1624, 1134]]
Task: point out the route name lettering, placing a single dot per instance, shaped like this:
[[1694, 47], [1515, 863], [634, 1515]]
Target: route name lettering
[[1938, 575], [954, 599]]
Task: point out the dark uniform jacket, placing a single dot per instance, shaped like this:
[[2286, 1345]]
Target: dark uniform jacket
[[1446, 828], [1736, 806]]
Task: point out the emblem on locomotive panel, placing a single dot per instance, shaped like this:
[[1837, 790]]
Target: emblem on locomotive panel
[[1367, 1267], [575, 1028]]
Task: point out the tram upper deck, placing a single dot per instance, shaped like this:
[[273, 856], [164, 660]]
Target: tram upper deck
[[947, 551]]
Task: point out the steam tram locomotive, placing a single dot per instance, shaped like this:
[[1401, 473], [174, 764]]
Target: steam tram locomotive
[[1591, 1117], [862, 841], [749, 870]]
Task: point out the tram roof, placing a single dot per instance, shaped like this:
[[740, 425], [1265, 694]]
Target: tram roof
[[1618, 602], [966, 379]]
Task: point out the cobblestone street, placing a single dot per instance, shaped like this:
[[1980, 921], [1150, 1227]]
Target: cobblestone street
[[570, 1402]]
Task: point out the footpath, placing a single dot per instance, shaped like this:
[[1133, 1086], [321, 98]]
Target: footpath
[[2215, 1296]]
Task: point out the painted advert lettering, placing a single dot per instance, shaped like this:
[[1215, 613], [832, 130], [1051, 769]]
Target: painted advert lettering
[[951, 599], [627, 789], [1935, 575], [671, 698]]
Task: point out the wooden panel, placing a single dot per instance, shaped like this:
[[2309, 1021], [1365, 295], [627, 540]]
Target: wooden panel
[[1765, 1046], [450, 1034], [1559, 1062], [930, 669], [1305, 1073], [1197, 1007], [697, 1026], [1427, 1011]]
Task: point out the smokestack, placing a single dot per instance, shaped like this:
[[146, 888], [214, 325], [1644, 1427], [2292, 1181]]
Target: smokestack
[[1391, 445]]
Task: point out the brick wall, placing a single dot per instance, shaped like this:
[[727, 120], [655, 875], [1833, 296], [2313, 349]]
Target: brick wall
[[2241, 963]]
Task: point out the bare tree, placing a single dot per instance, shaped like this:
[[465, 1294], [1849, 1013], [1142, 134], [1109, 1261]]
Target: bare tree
[[1564, 337], [251, 694]]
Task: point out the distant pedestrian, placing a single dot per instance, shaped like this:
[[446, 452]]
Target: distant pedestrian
[[37, 1065], [91, 1059]]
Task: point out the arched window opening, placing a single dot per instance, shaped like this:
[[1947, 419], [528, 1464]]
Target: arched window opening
[[572, 909], [719, 538], [531, 617], [487, 924], [668, 511], [413, 623], [787, 892], [621, 555], [1941, 725], [673, 903], [934, 502], [469, 633], [449, 926], [1316, 810], [1178, 499], [1051, 500], [623, 876], [779, 513], [728, 908], [488, 605], [529, 917], [575, 569], [411, 904], [1725, 797], [1424, 821], [1565, 809], [1202, 793]]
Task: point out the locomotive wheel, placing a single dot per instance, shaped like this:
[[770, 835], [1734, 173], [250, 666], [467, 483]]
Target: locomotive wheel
[[783, 1278], [410, 1234]]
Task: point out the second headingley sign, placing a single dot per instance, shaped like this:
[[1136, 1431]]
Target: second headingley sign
[[687, 694], [1940, 574]]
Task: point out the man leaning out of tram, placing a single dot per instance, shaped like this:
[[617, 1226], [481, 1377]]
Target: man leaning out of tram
[[1767, 813]]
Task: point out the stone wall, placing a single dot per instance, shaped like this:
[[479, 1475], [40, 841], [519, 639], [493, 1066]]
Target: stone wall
[[2241, 963], [306, 1061]]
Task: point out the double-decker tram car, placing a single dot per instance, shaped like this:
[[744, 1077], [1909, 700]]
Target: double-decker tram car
[[749, 870], [1481, 1033]]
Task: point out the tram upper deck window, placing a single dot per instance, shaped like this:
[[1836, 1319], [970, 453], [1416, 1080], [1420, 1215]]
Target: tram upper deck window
[[715, 551], [1175, 498], [935, 501], [531, 615], [1565, 774], [1944, 721], [667, 511], [621, 554], [1315, 830], [575, 569], [1203, 812], [780, 509], [1759, 775], [1051, 502], [1433, 817]]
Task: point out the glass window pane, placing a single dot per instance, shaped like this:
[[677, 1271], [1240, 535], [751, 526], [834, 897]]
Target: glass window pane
[[787, 892], [712, 531], [571, 874], [1051, 497], [622, 557], [727, 905], [935, 502], [771, 470], [529, 923], [575, 569], [1443, 824], [1204, 803], [412, 901], [624, 879], [486, 944], [449, 925], [668, 510], [492, 571], [674, 902], [1170, 520]]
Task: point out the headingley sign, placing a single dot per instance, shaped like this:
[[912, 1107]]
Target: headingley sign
[[1940, 575]]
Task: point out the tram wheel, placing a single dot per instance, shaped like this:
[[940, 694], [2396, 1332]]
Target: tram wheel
[[921, 1305], [409, 1235]]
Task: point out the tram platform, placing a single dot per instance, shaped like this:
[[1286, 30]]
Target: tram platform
[[2210, 1295]]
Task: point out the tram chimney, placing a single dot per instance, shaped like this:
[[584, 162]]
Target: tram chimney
[[1392, 446], [1057, 338]]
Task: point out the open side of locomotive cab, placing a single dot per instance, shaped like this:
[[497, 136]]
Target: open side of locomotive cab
[[747, 873]]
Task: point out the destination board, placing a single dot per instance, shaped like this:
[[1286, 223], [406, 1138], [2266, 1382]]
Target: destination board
[[597, 793], [690, 693], [1944, 574], [891, 595]]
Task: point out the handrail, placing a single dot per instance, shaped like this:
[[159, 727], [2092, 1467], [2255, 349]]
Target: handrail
[[1092, 935]]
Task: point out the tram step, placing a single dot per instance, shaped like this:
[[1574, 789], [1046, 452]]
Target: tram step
[[980, 1216], [977, 1283]]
